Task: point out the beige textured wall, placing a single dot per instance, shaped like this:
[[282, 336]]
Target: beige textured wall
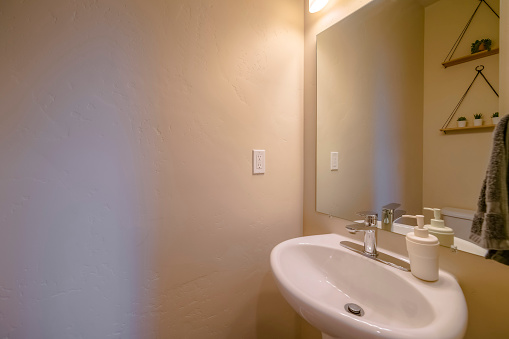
[[127, 204], [455, 163], [373, 125], [483, 282]]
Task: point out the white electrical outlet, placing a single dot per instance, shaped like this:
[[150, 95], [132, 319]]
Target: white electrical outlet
[[334, 161], [258, 161]]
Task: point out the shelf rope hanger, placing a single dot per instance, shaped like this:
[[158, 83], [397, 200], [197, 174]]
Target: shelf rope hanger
[[457, 42], [479, 70]]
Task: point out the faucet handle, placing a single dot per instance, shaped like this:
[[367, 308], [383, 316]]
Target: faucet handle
[[366, 213], [398, 214], [392, 206], [370, 217]]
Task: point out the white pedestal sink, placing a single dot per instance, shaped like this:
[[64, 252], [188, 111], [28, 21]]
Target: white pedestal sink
[[318, 277]]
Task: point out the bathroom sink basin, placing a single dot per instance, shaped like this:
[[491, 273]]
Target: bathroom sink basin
[[318, 277]]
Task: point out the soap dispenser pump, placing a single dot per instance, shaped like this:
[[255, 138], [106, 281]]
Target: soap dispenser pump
[[444, 234], [422, 250]]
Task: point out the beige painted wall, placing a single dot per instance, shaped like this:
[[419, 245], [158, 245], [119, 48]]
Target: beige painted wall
[[127, 204], [483, 282], [375, 126], [455, 163]]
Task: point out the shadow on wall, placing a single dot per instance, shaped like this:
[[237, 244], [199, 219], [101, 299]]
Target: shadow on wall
[[270, 314], [72, 243]]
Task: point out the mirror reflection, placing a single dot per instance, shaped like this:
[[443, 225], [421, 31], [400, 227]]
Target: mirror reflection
[[382, 97]]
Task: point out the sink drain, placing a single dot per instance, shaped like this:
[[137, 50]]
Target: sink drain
[[354, 309]]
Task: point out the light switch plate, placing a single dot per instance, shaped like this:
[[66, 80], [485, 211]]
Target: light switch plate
[[334, 161]]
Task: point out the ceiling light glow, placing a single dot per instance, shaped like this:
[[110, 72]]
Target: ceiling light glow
[[316, 5]]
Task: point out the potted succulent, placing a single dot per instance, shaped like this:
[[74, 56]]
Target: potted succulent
[[462, 122], [478, 119], [495, 118], [481, 45]]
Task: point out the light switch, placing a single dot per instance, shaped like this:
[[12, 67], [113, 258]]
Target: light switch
[[334, 161]]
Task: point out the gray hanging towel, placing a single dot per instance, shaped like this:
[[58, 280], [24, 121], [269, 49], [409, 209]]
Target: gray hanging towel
[[490, 227]]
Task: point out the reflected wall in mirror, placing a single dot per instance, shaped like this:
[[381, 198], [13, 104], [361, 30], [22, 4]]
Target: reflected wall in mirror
[[383, 95], [370, 103]]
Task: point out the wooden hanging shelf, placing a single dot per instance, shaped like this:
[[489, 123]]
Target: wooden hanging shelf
[[445, 130], [478, 55], [470, 57]]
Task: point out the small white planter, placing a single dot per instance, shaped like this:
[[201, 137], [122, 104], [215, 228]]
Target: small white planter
[[477, 122], [495, 120], [462, 123]]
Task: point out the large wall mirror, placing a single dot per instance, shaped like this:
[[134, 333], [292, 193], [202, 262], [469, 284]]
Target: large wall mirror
[[382, 97]]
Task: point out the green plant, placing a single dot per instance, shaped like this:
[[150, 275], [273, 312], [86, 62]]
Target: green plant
[[495, 115], [487, 44], [478, 116], [475, 45], [462, 119]]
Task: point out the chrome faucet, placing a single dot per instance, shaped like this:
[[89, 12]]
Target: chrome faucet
[[390, 213], [369, 227]]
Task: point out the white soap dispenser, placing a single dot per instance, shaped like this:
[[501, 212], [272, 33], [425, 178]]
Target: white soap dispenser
[[437, 228], [422, 250]]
